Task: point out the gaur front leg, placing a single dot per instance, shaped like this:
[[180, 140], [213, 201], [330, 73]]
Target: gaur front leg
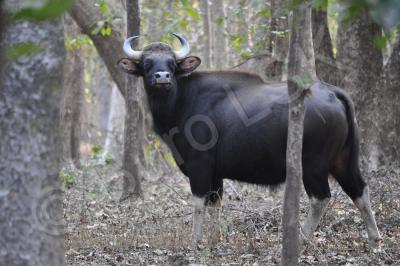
[[198, 218], [315, 212]]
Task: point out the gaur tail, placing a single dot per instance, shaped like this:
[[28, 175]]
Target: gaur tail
[[350, 153]]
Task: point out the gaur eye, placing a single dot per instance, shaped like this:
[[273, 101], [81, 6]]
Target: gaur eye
[[171, 63], [147, 65]]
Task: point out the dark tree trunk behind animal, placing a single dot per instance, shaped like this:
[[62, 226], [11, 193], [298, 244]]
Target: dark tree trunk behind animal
[[361, 64], [325, 62], [301, 64], [31, 212], [134, 117], [72, 101]]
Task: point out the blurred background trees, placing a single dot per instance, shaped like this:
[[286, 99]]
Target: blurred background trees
[[104, 117], [353, 45], [356, 46]]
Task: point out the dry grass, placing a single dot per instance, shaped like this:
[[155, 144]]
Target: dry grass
[[156, 230]]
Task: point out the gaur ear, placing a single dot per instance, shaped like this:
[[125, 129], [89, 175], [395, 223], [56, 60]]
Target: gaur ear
[[188, 64], [129, 66]]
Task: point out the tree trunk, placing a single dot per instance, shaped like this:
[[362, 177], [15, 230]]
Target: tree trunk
[[279, 44], [219, 44], [155, 27], [31, 212], [72, 101], [361, 65], [325, 62], [207, 56], [2, 28], [386, 108], [301, 64], [133, 117], [109, 48], [279, 41]]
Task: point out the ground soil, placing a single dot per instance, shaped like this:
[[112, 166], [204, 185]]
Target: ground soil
[[156, 229]]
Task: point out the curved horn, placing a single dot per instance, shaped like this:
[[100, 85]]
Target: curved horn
[[182, 53], [135, 55]]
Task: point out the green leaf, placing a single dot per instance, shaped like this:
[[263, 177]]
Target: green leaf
[[78, 42], [219, 20], [303, 81], [104, 8], [183, 24], [193, 13], [51, 9], [266, 13], [22, 49], [237, 41], [106, 31], [380, 41], [108, 159], [185, 2], [96, 149]]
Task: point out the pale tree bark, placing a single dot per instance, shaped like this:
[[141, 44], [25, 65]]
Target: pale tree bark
[[133, 117], [219, 44], [86, 15], [2, 28], [31, 214], [325, 61], [279, 39], [361, 65], [385, 110], [301, 64], [72, 100], [205, 12], [154, 27]]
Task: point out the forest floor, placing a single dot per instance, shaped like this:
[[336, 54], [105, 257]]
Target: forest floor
[[156, 229]]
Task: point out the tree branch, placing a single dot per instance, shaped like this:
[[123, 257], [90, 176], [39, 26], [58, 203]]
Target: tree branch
[[109, 47]]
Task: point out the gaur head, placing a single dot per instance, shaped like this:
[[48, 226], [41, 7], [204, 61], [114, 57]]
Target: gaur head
[[158, 64]]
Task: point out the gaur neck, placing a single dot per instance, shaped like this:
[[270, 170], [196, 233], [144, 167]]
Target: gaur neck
[[163, 110]]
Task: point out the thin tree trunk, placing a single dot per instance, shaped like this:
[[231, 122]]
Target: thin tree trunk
[[325, 61], [109, 48], [71, 102], [219, 53], [301, 64], [361, 65], [279, 39], [133, 117], [205, 10], [31, 212], [279, 26]]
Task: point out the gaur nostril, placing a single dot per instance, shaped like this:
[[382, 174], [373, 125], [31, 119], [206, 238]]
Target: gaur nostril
[[167, 75], [158, 76]]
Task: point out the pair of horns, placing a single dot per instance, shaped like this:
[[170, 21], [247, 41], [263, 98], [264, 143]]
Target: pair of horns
[[137, 55]]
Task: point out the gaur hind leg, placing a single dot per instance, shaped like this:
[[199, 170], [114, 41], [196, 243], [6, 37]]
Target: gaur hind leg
[[357, 190], [317, 187]]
